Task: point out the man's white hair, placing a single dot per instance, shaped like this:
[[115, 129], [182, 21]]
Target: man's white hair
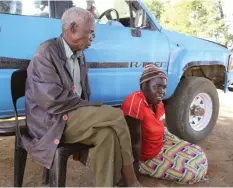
[[75, 15]]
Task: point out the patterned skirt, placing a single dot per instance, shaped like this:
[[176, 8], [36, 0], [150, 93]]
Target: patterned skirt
[[179, 161]]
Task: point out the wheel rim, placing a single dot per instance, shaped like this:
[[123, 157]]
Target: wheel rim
[[200, 112]]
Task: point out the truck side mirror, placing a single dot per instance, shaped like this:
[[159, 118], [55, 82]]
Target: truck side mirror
[[140, 18], [140, 21]]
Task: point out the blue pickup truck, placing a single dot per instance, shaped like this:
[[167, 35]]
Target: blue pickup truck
[[127, 38]]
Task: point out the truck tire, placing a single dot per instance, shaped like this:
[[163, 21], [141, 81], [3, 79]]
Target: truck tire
[[192, 112]]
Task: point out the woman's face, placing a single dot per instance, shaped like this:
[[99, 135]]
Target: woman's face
[[156, 90]]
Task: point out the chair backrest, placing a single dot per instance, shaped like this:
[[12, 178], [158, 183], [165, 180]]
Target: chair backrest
[[18, 81]]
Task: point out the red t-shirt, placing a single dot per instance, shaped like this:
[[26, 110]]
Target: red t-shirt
[[136, 106]]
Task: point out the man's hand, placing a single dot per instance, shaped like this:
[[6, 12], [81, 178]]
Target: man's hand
[[81, 156]]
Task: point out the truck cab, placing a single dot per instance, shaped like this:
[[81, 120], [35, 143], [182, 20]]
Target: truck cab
[[127, 37]]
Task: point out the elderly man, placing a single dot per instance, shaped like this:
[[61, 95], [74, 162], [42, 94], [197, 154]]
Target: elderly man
[[57, 106]]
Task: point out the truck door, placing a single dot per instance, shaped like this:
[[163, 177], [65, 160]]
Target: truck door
[[23, 26], [116, 57]]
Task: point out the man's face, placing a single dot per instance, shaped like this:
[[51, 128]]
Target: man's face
[[80, 36], [156, 90]]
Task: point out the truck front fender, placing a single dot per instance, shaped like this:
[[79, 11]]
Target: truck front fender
[[181, 61]]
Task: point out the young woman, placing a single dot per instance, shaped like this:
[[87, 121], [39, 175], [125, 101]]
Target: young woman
[[162, 154]]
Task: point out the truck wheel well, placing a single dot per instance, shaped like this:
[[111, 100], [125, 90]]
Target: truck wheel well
[[215, 73]]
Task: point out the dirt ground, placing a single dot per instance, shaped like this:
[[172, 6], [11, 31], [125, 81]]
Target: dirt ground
[[218, 147]]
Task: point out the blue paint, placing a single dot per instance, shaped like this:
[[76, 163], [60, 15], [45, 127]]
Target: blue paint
[[20, 36], [186, 49]]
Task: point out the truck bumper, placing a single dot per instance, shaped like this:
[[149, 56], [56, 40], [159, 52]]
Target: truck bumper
[[228, 80]]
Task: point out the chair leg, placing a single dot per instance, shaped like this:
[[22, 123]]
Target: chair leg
[[45, 180], [57, 175], [20, 159]]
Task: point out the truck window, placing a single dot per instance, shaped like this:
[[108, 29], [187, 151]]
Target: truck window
[[97, 7], [25, 7], [125, 8]]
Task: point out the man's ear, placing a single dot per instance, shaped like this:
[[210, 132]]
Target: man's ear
[[73, 27]]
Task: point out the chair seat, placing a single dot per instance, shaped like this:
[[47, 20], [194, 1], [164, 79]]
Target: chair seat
[[56, 176], [7, 128], [57, 173]]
